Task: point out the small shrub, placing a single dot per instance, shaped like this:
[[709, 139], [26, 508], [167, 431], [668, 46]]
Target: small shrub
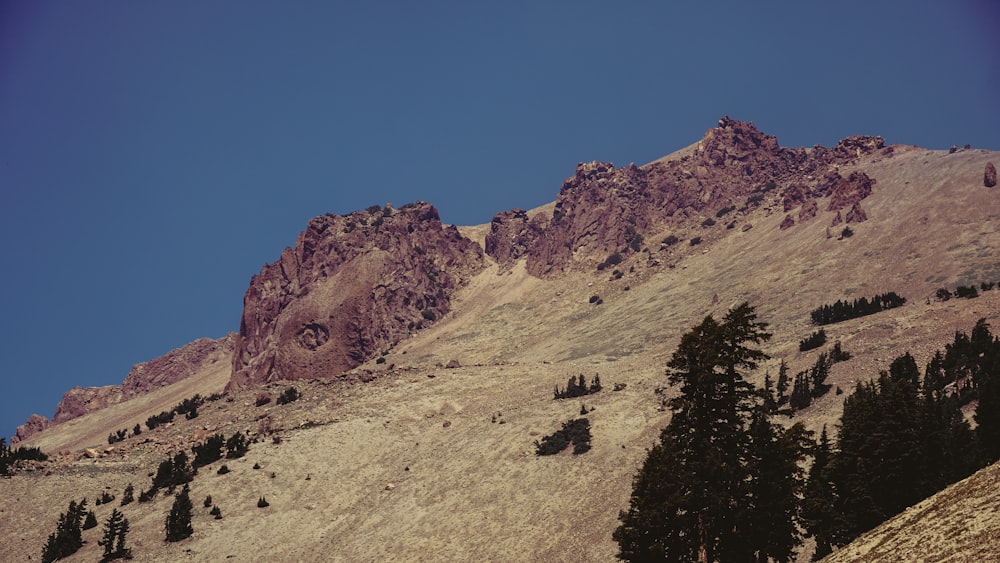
[[576, 432], [814, 340], [595, 298], [216, 512], [223, 470], [695, 241], [291, 395], [846, 233], [208, 501], [708, 222], [720, 213], [262, 503], [90, 521], [671, 240]]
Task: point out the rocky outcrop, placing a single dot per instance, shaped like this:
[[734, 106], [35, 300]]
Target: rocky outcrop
[[602, 210], [787, 223], [856, 214], [990, 176], [148, 376], [176, 365], [847, 192], [511, 234], [808, 211], [79, 401], [350, 288], [35, 424]]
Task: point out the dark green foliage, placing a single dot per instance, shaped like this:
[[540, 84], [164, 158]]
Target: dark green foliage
[[843, 310], [90, 521], [216, 512], [708, 222], [612, 260], [172, 472], [223, 470], [178, 524], [577, 387], [189, 405], [146, 496], [128, 495], [671, 240], [838, 354], [942, 294], [118, 436], [291, 394], [576, 432], [137, 430], [10, 456], [208, 452], [846, 233], [801, 392], [113, 540], [814, 340], [987, 286], [723, 481], [208, 501], [236, 446], [966, 292], [158, 419], [262, 503], [68, 537], [900, 440], [695, 241], [783, 383]]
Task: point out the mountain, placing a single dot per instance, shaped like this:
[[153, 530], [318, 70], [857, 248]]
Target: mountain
[[426, 354]]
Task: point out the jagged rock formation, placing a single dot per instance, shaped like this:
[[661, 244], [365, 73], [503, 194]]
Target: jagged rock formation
[[511, 234], [175, 365], [78, 401], [602, 210], [35, 424], [350, 288], [141, 379], [990, 176]]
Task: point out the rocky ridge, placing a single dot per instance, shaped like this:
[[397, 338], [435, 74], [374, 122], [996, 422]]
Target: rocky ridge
[[350, 288], [602, 210]]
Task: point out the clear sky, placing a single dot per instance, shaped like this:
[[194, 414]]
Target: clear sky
[[154, 155]]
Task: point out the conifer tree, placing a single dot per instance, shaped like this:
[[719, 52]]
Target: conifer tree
[[113, 540], [178, 524], [720, 469]]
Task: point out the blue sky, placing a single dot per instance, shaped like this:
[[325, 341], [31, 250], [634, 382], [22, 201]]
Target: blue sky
[[154, 155]]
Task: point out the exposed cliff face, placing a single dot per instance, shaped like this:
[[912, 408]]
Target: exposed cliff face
[[35, 424], [176, 365], [78, 401], [603, 210], [350, 288]]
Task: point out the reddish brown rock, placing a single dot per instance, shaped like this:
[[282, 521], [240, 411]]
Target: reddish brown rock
[[602, 210], [512, 234], [79, 401], [350, 288], [846, 192], [990, 176], [176, 365], [35, 424], [787, 223], [856, 214], [808, 211], [794, 196]]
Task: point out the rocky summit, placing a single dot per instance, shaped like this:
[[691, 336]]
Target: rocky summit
[[391, 374]]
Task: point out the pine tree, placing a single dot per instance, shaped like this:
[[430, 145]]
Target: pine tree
[[819, 517], [720, 469], [178, 524], [113, 540], [129, 495]]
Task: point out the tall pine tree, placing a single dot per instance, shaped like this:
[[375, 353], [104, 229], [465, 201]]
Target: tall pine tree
[[721, 474]]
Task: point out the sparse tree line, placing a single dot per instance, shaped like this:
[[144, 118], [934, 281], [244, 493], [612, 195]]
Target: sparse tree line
[[9, 456], [846, 310], [68, 537], [964, 291], [724, 483], [577, 387]]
